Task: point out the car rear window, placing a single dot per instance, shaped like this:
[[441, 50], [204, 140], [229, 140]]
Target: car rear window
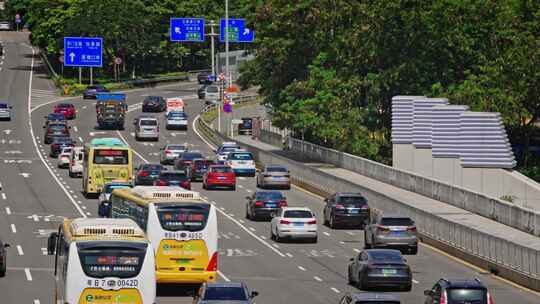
[[65, 105], [225, 294], [55, 126], [276, 169], [212, 89], [172, 176], [297, 214], [353, 200], [386, 255], [396, 221], [221, 169], [176, 147], [191, 156], [241, 156], [466, 295], [148, 122], [152, 167], [269, 195], [203, 163], [3, 106]]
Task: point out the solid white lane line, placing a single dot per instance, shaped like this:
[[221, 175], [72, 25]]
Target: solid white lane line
[[248, 191], [252, 229], [335, 290], [241, 221], [301, 268], [317, 278], [4, 197], [326, 233], [275, 245], [19, 250], [415, 281], [8, 211], [28, 274], [30, 110], [36, 301], [356, 250], [13, 228], [223, 276]]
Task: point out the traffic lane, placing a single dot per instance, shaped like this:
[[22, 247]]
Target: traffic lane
[[22, 285]]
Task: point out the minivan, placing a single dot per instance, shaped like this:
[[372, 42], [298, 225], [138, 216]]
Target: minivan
[[146, 128], [76, 160], [211, 94]]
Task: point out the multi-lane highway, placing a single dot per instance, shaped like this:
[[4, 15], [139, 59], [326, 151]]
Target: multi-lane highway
[[36, 194]]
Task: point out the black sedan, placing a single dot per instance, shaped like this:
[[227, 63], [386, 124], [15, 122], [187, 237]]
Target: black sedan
[[154, 104], [201, 91], [92, 91], [262, 204], [179, 178], [146, 174], [202, 78], [380, 268], [346, 209], [58, 143]]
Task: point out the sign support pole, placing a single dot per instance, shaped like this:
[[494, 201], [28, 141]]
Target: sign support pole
[[91, 76], [227, 43], [80, 75], [212, 35], [219, 117]]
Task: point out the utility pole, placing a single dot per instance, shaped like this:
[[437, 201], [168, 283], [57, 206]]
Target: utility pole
[[227, 43], [212, 35]]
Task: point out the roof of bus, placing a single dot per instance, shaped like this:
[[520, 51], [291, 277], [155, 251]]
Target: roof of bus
[[108, 142], [144, 195], [103, 229]]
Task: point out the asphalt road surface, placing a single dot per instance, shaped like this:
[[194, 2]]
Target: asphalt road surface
[[36, 195]]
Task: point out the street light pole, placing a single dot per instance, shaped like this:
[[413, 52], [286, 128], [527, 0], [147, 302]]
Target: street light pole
[[227, 43]]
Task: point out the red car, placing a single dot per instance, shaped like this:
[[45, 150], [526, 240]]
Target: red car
[[67, 109], [219, 176]]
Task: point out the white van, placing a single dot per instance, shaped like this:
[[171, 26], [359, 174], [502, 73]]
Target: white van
[[76, 159], [146, 127], [211, 94]]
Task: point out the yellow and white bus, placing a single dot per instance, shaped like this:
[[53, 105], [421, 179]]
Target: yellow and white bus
[[181, 227], [106, 160], [102, 261]]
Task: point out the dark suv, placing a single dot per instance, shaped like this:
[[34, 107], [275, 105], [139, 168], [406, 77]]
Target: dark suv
[[55, 129], [3, 254], [154, 104], [346, 209], [457, 291]]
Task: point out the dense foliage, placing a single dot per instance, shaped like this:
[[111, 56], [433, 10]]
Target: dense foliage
[[134, 30], [330, 67]]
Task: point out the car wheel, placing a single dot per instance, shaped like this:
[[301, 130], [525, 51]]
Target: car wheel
[[362, 283], [407, 287], [71, 174], [332, 225], [325, 221], [272, 235], [314, 240], [349, 277], [414, 250], [233, 188], [276, 237], [204, 186], [247, 213]]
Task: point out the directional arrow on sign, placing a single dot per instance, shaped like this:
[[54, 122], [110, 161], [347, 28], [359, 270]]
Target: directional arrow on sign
[[25, 175], [71, 56], [246, 31]]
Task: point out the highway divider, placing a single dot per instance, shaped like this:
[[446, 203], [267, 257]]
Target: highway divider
[[503, 257]]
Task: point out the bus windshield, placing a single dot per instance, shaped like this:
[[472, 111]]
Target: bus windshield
[[188, 216], [110, 157], [111, 259]]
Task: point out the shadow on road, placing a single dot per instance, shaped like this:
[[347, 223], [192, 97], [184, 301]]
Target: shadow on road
[[176, 290]]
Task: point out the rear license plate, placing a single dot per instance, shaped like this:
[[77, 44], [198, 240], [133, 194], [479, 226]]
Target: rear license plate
[[389, 271], [397, 233], [299, 224], [353, 211], [271, 205], [241, 162], [221, 177]]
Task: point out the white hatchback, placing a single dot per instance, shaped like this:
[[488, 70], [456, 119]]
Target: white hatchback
[[63, 157], [294, 222], [241, 162], [76, 160]]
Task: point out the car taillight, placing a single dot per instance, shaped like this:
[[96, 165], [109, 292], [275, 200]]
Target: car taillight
[[186, 185], [161, 183], [313, 222], [284, 222], [382, 228], [411, 229], [167, 152], [490, 299], [283, 203], [339, 206], [143, 173], [212, 265], [442, 300], [364, 207], [258, 203]]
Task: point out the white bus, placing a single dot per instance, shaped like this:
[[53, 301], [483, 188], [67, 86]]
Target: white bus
[[102, 261], [181, 227]]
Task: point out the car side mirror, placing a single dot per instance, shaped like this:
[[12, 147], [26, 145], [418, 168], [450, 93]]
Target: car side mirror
[[6, 245], [51, 243], [254, 294], [11, 107], [428, 292]]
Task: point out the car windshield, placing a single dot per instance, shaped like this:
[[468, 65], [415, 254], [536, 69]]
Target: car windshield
[[274, 195], [276, 169], [109, 188], [356, 201], [222, 169], [62, 140], [3, 106], [212, 89], [153, 98], [57, 126], [173, 176], [148, 122], [298, 214], [177, 114], [56, 116], [152, 167], [176, 147], [241, 156], [396, 221], [227, 149], [65, 105], [225, 293], [386, 256], [467, 295]]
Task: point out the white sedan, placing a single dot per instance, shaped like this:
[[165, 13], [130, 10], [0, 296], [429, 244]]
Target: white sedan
[[177, 120], [294, 222], [64, 157]]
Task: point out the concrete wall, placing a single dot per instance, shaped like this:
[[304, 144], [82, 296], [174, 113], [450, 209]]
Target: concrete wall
[[403, 157], [423, 162], [443, 170]]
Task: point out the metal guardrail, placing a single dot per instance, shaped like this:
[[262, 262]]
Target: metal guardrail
[[511, 260]]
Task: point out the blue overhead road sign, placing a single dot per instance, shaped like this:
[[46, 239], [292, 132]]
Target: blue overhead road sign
[[187, 29], [83, 51], [238, 32]]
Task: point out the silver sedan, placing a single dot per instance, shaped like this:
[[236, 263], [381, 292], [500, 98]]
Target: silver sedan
[[169, 153], [274, 176]]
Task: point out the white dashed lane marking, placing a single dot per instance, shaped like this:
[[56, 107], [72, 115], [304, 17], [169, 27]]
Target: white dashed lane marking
[[13, 228], [8, 211], [289, 255], [415, 281], [4, 197], [28, 274], [326, 233], [19, 250], [317, 279], [301, 268], [335, 290]]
